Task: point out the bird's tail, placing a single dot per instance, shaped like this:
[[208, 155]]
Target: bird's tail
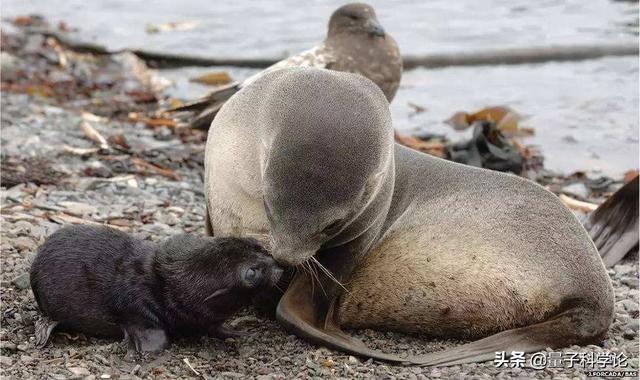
[[207, 107], [613, 226]]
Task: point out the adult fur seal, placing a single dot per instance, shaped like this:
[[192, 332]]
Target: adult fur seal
[[101, 281], [306, 158], [355, 42]]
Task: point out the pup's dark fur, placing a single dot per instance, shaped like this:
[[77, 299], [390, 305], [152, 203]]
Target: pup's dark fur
[[101, 281]]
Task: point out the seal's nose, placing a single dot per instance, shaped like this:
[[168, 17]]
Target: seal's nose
[[291, 257]]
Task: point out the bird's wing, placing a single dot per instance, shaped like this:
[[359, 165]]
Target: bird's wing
[[614, 225], [208, 106], [319, 56]]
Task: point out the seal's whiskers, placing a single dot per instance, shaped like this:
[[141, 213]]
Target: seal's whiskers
[[328, 273]]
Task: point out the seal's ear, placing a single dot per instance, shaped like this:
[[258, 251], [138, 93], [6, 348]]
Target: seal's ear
[[217, 293]]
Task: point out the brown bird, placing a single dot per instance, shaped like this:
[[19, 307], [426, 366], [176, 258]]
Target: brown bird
[[355, 42]]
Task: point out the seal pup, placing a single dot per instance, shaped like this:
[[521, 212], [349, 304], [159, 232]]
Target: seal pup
[[306, 158], [104, 282], [356, 42]]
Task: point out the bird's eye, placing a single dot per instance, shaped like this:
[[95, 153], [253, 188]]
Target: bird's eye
[[353, 17]]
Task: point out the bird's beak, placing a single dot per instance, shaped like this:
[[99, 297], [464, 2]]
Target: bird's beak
[[374, 28]]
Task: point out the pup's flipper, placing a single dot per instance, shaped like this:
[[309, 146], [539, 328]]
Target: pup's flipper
[[43, 328], [145, 340]]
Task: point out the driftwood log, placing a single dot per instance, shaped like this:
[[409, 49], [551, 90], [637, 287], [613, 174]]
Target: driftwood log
[[492, 57]]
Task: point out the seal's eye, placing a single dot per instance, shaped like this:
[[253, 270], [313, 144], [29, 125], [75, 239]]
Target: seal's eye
[[252, 276]]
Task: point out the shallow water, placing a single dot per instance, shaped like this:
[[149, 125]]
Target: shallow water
[[585, 114], [250, 28]]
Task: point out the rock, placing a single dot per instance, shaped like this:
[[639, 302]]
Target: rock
[[625, 269], [26, 359], [10, 65], [628, 333], [78, 208], [175, 209], [22, 281], [22, 227], [632, 325], [629, 306], [6, 361], [79, 371], [631, 282], [577, 189], [6, 345], [24, 243], [23, 347], [231, 375]]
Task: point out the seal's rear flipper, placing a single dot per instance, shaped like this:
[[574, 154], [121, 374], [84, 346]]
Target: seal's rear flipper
[[613, 226], [43, 328], [574, 326], [298, 313]]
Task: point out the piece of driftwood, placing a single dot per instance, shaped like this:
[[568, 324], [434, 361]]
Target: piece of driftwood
[[513, 56], [575, 204]]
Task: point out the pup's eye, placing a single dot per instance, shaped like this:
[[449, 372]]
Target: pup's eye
[[250, 274], [252, 277]]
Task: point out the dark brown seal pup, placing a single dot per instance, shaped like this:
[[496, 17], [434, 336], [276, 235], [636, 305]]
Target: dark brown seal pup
[[101, 281], [355, 43]]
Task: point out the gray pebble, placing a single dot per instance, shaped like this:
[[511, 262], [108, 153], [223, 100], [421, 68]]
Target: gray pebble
[[577, 189], [6, 361], [628, 333], [631, 282], [22, 281], [629, 305], [26, 359], [24, 243], [6, 345]]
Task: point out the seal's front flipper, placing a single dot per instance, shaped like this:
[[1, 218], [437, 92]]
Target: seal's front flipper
[[43, 328], [575, 326], [300, 314], [144, 339]]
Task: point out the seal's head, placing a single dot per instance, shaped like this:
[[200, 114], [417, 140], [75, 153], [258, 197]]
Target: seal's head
[[205, 268], [355, 18], [328, 173]]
